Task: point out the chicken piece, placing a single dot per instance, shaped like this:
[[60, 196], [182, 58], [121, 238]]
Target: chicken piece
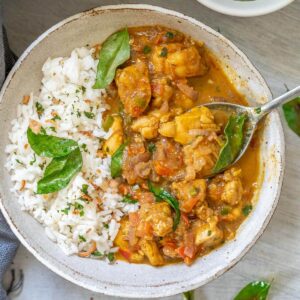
[[182, 100], [161, 91], [189, 193], [196, 122], [158, 215], [227, 187], [168, 159], [136, 164], [203, 212], [116, 139], [121, 241], [176, 61], [151, 250], [147, 126], [200, 157], [134, 88], [207, 234]]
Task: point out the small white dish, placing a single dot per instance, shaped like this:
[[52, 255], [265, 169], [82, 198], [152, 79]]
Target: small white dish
[[245, 8]]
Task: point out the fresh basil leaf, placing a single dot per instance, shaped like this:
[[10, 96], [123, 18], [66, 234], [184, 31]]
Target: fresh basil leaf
[[128, 199], [234, 140], [60, 172], [255, 290], [291, 112], [116, 162], [163, 195], [50, 146], [114, 52], [188, 295]]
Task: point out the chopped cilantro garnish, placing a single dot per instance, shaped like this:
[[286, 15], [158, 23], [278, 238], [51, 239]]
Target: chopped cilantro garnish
[[82, 238], [151, 147], [111, 257], [39, 109], [147, 49], [33, 160], [170, 35], [56, 117], [225, 211], [128, 199], [19, 162], [164, 52], [52, 129], [89, 115], [246, 210], [97, 253], [84, 189]]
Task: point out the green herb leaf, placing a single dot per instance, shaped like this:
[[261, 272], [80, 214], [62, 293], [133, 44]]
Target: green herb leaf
[[50, 146], [97, 253], [163, 195], [39, 108], [81, 238], [291, 112], [33, 160], [234, 140], [111, 257], [255, 290], [89, 115], [60, 172], [109, 120], [188, 295], [114, 52], [170, 35], [128, 199], [164, 52], [116, 162], [147, 49], [246, 210], [84, 189], [151, 147], [56, 117]]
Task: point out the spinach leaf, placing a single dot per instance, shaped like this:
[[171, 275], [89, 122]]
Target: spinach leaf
[[163, 195], [188, 295], [59, 172], [234, 140], [50, 146], [116, 162], [114, 52], [291, 112], [255, 290]]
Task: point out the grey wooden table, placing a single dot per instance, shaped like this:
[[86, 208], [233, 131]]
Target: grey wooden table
[[272, 43]]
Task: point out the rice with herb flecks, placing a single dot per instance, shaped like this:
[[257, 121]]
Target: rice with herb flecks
[[68, 107]]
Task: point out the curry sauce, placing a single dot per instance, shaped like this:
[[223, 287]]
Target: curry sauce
[[170, 144]]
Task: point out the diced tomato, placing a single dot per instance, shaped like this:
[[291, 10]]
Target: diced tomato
[[126, 254], [180, 251], [187, 206], [162, 170], [185, 218]]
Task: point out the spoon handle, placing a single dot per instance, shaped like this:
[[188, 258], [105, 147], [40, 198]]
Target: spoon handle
[[290, 95]]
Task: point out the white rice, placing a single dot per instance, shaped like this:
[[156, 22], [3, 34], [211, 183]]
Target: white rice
[[70, 80]]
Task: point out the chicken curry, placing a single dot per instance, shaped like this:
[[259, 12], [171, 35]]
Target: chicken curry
[[164, 144]]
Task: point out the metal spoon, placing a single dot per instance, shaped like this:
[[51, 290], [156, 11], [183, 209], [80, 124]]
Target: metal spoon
[[254, 115]]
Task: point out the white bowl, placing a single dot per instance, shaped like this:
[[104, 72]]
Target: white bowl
[[245, 8], [123, 279]]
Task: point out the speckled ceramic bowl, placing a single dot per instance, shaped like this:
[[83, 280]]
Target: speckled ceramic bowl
[[124, 279]]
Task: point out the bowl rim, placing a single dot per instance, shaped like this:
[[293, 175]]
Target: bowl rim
[[243, 12], [179, 288]]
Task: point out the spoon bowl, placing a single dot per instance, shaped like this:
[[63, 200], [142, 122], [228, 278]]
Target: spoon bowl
[[254, 115]]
